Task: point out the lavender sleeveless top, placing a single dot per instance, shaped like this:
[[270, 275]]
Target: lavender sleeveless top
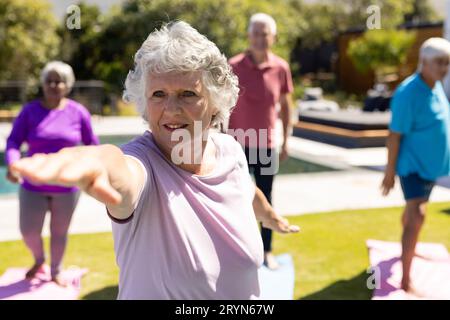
[[190, 236]]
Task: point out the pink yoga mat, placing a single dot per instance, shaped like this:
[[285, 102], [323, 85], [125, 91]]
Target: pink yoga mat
[[430, 272], [14, 286]]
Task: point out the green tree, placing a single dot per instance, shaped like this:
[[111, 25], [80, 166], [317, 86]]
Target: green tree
[[225, 22], [392, 11], [105, 45], [77, 44], [422, 12], [323, 21], [381, 51], [28, 38], [222, 21]]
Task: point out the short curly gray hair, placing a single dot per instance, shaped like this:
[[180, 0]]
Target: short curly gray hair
[[63, 70], [179, 47]]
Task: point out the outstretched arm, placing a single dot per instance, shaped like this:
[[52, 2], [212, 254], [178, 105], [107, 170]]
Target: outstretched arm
[[101, 171], [269, 218]]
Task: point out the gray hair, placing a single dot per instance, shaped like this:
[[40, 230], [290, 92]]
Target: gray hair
[[179, 47], [265, 19], [433, 48], [63, 70]]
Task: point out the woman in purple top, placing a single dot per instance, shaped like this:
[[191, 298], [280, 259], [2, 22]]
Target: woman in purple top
[[47, 126], [183, 205]]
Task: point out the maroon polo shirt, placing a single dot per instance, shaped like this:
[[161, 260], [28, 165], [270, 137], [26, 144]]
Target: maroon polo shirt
[[261, 87]]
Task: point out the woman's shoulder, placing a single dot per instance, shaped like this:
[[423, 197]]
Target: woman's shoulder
[[225, 141], [31, 105], [144, 149], [75, 105], [228, 145], [232, 153], [141, 146]]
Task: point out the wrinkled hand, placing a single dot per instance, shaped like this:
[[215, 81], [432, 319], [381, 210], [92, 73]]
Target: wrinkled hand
[[279, 224], [11, 177], [388, 182], [77, 166]]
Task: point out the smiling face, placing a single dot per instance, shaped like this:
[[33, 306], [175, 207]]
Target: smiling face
[[436, 69], [54, 87], [260, 37], [175, 101]]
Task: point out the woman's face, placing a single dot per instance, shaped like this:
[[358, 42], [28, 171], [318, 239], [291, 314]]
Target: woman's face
[[54, 87], [175, 101]]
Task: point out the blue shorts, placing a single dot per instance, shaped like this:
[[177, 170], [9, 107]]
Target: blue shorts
[[414, 186]]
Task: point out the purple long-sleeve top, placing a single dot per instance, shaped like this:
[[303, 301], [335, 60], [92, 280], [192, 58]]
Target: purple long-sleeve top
[[48, 131]]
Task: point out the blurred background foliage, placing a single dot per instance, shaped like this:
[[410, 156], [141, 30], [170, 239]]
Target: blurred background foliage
[[103, 48], [381, 50]]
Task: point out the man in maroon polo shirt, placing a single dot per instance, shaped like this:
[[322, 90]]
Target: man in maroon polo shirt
[[265, 80]]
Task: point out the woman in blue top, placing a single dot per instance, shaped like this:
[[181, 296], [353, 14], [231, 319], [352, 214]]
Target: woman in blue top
[[418, 143]]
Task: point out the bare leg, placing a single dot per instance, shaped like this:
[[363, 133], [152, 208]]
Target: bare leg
[[404, 218], [33, 207], [61, 207], [414, 218]]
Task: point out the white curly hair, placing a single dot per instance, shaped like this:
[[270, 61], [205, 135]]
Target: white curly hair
[[63, 70], [179, 47]]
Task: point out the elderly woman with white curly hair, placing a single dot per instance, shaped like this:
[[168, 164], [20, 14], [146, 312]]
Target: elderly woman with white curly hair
[[184, 212], [47, 125]]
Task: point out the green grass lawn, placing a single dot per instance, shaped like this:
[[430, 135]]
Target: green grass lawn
[[329, 253]]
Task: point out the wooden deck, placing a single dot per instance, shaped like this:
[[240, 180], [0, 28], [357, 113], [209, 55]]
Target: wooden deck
[[7, 115], [341, 137], [342, 132]]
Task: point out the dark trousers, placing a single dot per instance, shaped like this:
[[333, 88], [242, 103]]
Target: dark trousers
[[261, 165]]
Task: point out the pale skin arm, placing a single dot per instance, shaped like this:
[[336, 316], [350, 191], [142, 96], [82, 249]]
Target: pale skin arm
[[106, 174], [393, 145], [285, 115], [269, 218], [12, 177], [103, 172]]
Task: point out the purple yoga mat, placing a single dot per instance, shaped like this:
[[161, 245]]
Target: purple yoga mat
[[14, 286], [430, 271]]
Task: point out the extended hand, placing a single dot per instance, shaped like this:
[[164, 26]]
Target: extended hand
[[11, 177], [78, 166]]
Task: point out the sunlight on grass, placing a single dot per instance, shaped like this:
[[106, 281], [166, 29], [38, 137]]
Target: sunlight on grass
[[330, 255]]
